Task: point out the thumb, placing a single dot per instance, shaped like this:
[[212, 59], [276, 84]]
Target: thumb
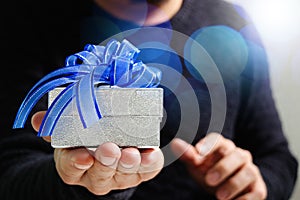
[[186, 152], [37, 119], [36, 122]]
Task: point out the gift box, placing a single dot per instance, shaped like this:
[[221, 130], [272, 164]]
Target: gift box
[[130, 117], [103, 93]]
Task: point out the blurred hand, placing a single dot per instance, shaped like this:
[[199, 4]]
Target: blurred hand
[[222, 168], [105, 169]]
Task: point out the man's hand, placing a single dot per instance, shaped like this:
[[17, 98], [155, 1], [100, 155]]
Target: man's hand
[[107, 168], [222, 168]]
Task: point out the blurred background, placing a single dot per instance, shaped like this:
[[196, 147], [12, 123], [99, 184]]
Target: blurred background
[[278, 22]]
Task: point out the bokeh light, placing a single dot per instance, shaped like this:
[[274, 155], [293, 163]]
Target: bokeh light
[[159, 55], [223, 47]]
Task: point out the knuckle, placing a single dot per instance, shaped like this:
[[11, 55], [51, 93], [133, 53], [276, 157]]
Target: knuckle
[[225, 148], [244, 154], [249, 174], [95, 189], [68, 180], [101, 169], [123, 181], [120, 182], [249, 170], [223, 169], [248, 155], [252, 171], [262, 194], [97, 178], [233, 183], [145, 176], [230, 143], [153, 169], [255, 169]]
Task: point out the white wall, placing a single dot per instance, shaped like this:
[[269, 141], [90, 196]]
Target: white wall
[[279, 25], [287, 95], [285, 79]]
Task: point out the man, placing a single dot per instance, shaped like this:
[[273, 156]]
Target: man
[[239, 164]]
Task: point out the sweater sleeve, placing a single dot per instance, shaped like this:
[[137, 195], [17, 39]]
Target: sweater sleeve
[[28, 172], [259, 127]]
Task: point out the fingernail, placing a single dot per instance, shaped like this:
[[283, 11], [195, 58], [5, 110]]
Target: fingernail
[[208, 144], [82, 167], [213, 177], [222, 194], [200, 158], [108, 161], [204, 149], [127, 166]]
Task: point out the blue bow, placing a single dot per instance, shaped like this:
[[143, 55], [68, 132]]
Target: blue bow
[[114, 64]]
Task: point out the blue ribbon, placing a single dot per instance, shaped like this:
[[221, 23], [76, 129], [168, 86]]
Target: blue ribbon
[[115, 64]]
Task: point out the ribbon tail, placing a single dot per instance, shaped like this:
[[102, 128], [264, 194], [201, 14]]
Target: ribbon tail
[[34, 97], [72, 71], [88, 108], [55, 110]]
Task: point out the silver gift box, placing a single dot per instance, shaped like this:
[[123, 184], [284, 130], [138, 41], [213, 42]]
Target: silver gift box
[[130, 117]]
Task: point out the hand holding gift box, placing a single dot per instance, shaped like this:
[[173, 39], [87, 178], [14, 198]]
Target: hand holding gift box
[[110, 96]]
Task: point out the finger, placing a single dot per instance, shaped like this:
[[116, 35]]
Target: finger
[[108, 154], [259, 193], [47, 138], [152, 161], [71, 164], [227, 166], [147, 156], [214, 142], [186, 152], [258, 190], [126, 174], [98, 177], [130, 160], [212, 148], [237, 183], [36, 120], [249, 196]]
